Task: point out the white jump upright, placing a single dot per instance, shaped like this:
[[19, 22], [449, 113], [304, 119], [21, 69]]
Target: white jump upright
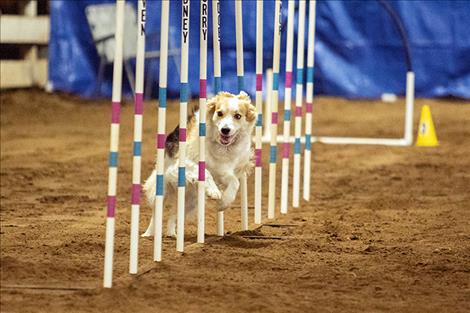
[[287, 107], [241, 86], [217, 81], [114, 146], [204, 10], [138, 119], [259, 111], [309, 100], [184, 96], [298, 104], [274, 111], [162, 93], [410, 98]]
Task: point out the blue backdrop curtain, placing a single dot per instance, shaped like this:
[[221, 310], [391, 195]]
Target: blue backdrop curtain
[[358, 51]]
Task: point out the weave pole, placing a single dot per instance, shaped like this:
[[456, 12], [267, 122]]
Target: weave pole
[[114, 146], [162, 92], [259, 111], [138, 119], [274, 109], [287, 107], [217, 81], [201, 204], [268, 105], [298, 104], [241, 86], [184, 94], [309, 100]]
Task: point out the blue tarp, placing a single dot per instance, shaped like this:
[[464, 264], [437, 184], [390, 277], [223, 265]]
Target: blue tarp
[[358, 50]]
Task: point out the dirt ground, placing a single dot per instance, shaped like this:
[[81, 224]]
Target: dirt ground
[[387, 228]]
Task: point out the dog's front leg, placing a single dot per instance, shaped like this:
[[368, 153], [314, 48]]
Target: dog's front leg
[[192, 176], [230, 192]]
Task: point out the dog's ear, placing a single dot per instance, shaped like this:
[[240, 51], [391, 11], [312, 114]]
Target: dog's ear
[[251, 114], [244, 96], [211, 104], [250, 110]]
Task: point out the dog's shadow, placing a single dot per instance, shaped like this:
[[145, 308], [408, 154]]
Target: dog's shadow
[[249, 239]]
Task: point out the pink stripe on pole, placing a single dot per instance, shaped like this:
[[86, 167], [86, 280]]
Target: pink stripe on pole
[[258, 161], [115, 112], [309, 108], [182, 134], [111, 206], [161, 141], [139, 103], [298, 111], [202, 171], [202, 88], [274, 118], [259, 82], [285, 150], [288, 79], [135, 198]]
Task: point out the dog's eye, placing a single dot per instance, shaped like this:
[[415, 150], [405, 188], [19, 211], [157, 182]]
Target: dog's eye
[[237, 116], [220, 113]]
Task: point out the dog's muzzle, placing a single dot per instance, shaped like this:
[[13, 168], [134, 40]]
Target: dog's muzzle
[[225, 140]]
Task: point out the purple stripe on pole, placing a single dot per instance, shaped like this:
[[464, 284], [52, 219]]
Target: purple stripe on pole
[[111, 206], [202, 171], [259, 82], [298, 111], [135, 198], [139, 103], [161, 141], [288, 79], [285, 150], [202, 88], [182, 134], [258, 161], [309, 108], [115, 112], [274, 117]]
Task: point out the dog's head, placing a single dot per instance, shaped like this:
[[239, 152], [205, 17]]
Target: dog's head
[[232, 115]]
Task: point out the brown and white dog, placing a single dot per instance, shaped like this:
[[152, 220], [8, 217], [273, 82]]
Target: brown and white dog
[[230, 121]]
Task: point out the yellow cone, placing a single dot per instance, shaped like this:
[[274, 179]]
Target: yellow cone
[[426, 132]]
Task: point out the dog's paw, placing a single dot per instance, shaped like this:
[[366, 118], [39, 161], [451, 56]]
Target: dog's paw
[[213, 192], [171, 233], [171, 227], [228, 197]]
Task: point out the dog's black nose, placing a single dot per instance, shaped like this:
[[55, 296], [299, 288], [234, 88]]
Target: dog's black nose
[[225, 131]]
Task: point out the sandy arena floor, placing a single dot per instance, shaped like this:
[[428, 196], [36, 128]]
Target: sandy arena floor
[[387, 229]]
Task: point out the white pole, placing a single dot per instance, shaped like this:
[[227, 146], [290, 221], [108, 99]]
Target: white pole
[[217, 81], [259, 111], [114, 146], [287, 106], [184, 94], [241, 86], [239, 44], [309, 100], [268, 104], [158, 220], [298, 104], [410, 98], [244, 201], [274, 114], [138, 120], [204, 8]]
